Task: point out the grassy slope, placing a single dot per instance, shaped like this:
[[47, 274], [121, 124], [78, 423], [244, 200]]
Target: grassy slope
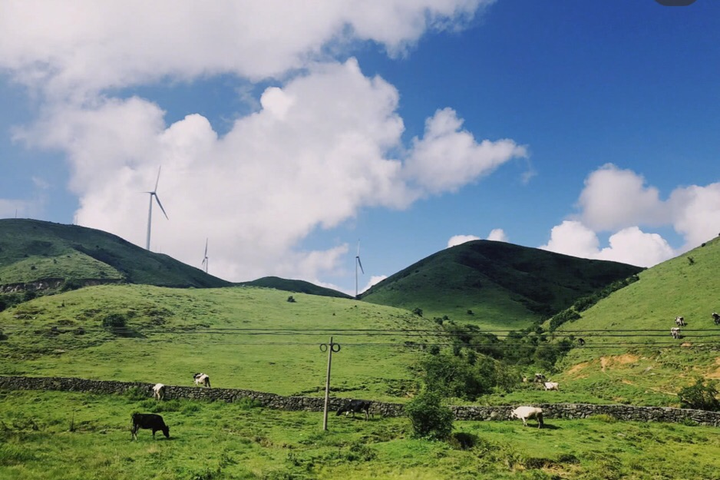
[[32, 250], [222, 441], [645, 362], [505, 286], [173, 333]]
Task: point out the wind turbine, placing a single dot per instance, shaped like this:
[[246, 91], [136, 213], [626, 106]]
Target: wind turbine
[[206, 260], [358, 263], [153, 194]]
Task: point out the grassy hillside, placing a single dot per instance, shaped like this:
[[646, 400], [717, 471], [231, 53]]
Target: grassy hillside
[[243, 337], [32, 250], [495, 284], [297, 286], [629, 352]]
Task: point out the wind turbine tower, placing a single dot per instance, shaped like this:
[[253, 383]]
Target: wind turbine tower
[[157, 199], [206, 260], [358, 263]]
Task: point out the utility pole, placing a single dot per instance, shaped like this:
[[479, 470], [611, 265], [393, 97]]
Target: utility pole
[[330, 347]]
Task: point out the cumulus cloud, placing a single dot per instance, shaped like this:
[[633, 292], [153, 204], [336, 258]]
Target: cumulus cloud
[[94, 45], [447, 156], [498, 235], [619, 201], [303, 161], [629, 245], [615, 198], [460, 239]]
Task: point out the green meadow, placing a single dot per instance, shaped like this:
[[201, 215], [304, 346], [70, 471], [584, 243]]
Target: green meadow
[[243, 337], [62, 435]]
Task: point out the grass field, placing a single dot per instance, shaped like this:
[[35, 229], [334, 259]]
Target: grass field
[[74, 436], [243, 337]]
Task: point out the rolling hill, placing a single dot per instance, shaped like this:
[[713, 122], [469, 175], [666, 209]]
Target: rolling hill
[[60, 255], [495, 284]]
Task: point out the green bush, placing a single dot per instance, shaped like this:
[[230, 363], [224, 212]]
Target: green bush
[[429, 418], [700, 396], [115, 322]]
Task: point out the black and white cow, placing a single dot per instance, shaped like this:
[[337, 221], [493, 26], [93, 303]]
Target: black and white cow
[[356, 406], [716, 318], [680, 321], [202, 379], [150, 421]]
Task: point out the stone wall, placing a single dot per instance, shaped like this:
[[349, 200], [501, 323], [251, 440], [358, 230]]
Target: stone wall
[[316, 404]]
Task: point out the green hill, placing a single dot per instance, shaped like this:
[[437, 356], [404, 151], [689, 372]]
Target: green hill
[[629, 354], [683, 286], [495, 284], [243, 337], [59, 255], [296, 286]]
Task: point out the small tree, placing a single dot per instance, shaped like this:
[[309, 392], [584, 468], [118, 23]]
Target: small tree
[[700, 396], [429, 418]]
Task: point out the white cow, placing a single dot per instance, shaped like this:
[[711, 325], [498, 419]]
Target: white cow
[[159, 391], [551, 385], [675, 332], [202, 379], [525, 413]]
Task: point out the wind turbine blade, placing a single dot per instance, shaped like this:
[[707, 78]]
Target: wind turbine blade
[[158, 179], [160, 204], [206, 244], [360, 263]]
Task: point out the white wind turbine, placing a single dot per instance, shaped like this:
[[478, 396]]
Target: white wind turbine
[[153, 194], [358, 263], [206, 260]]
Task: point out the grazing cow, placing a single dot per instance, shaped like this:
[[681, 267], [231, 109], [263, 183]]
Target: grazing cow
[[539, 377], [202, 379], [581, 341], [150, 421], [526, 413], [159, 391], [716, 318], [551, 385], [680, 321], [356, 406], [675, 332]]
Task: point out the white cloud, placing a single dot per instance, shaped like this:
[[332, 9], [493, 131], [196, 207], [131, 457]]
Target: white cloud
[[498, 235], [304, 161], [629, 245], [446, 158], [695, 213], [90, 45], [615, 198], [460, 239]]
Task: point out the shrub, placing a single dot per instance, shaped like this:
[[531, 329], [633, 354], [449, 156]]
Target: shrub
[[429, 418], [291, 299], [700, 396], [418, 311], [115, 322]]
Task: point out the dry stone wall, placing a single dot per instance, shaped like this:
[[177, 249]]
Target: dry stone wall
[[315, 404]]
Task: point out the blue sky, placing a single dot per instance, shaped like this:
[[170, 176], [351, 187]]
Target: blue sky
[[287, 133]]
